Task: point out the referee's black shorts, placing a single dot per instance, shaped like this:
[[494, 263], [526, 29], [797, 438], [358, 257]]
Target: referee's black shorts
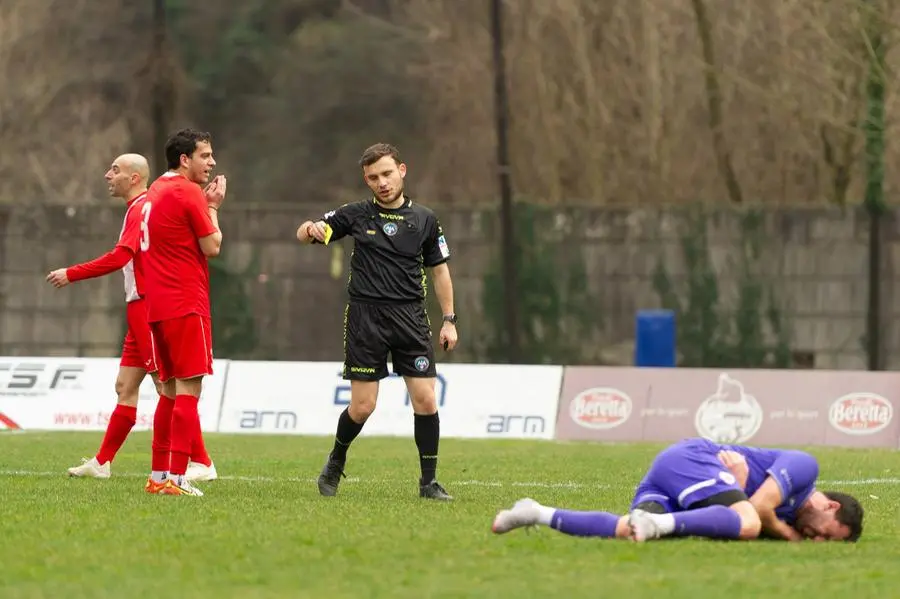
[[372, 331]]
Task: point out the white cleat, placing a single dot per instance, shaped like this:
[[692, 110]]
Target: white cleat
[[91, 468], [643, 526], [523, 513], [197, 472]]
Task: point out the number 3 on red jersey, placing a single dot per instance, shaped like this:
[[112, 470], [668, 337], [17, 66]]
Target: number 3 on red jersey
[[145, 231]]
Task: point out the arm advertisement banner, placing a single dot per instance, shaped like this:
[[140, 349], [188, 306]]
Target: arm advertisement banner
[[474, 401]]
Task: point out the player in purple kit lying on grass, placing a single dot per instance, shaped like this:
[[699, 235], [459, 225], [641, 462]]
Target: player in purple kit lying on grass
[[704, 489]]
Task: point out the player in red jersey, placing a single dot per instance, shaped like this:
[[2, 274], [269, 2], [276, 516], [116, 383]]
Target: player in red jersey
[[182, 233], [127, 179]]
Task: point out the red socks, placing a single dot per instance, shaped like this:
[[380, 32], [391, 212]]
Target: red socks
[[120, 424], [162, 426], [185, 429], [183, 409]]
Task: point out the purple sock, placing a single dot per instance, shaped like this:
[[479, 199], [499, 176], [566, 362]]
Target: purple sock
[[585, 524], [713, 522]]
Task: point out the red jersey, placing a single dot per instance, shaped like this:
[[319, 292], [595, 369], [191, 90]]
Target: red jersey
[[125, 256], [176, 271], [130, 239]]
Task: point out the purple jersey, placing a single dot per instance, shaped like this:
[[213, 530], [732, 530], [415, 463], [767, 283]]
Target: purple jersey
[[795, 472], [689, 472]]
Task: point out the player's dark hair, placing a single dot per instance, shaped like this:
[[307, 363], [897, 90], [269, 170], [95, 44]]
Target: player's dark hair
[[184, 142], [378, 151], [850, 514]]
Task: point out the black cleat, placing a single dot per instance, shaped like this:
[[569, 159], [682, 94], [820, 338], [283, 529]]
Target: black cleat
[[434, 490], [330, 477]]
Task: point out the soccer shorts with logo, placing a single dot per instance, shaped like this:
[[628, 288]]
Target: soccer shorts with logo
[[183, 347], [137, 348], [684, 474], [372, 331]]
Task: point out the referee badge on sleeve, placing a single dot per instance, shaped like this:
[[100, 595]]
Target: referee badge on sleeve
[[442, 245]]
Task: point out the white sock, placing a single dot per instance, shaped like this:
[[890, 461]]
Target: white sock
[[545, 514], [178, 479], [158, 476], [666, 523]]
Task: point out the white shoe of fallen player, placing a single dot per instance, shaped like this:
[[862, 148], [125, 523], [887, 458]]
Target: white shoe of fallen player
[[643, 526], [197, 472], [523, 513], [91, 468]]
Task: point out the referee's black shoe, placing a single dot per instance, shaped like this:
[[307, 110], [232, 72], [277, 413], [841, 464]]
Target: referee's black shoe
[[330, 477], [434, 490]]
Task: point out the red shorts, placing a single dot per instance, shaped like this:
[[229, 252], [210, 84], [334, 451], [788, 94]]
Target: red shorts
[[183, 347], [137, 349]]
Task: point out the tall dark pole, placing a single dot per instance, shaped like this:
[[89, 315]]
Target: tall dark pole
[[874, 129], [161, 90], [507, 227]]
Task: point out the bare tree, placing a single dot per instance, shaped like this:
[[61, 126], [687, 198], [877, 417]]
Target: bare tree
[[622, 101], [67, 71], [618, 101], [714, 102]]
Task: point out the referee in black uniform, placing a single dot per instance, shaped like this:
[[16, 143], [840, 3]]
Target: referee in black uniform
[[394, 240]]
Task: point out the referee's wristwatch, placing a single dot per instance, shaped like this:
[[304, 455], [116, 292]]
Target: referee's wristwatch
[[451, 318]]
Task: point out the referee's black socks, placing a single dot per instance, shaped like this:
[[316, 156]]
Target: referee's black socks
[[347, 431], [427, 434]]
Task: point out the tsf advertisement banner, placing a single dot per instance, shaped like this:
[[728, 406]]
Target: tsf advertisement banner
[[767, 407], [474, 401], [79, 394]]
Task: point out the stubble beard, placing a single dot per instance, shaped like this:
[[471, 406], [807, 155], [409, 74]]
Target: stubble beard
[[392, 199]]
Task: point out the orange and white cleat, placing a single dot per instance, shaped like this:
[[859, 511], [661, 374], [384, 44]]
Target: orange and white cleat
[[184, 488], [155, 487]]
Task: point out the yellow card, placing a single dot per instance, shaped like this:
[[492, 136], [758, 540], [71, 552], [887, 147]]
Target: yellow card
[[328, 233]]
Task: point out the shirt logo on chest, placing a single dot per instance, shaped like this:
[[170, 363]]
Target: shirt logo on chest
[[390, 229]]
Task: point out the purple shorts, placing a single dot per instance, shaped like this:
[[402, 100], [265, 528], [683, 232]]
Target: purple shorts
[[683, 474]]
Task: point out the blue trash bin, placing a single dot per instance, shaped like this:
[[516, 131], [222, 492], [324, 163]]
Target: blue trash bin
[[654, 339]]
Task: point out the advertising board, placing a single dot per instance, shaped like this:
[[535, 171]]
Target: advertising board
[[846, 408], [79, 394], [474, 401]]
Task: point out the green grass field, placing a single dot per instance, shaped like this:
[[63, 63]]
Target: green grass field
[[263, 530]]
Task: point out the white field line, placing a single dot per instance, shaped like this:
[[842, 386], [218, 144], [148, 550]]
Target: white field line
[[457, 483]]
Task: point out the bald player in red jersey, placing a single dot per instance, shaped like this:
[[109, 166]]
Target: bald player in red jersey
[[182, 233], [126, 179]]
